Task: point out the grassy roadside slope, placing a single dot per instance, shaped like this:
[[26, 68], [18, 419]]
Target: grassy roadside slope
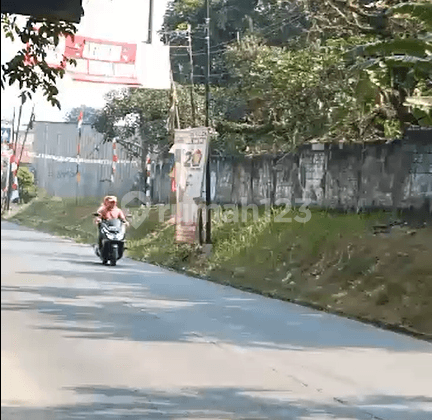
[[334, 262]]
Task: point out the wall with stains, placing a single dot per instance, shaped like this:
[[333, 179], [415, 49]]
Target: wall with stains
[[350, 177]]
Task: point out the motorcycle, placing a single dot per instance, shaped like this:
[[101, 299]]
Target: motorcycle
[[113, 233]]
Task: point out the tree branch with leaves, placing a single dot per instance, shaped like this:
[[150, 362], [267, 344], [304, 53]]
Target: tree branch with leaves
[[28, 69]]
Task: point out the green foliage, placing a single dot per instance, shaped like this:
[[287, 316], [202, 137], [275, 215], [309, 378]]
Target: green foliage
[[136, 118], [275, 21], [342, 19], [289, 96], [26, 183], [307, 70], [89, 114], [401, 66], [420, 11], [285, 73], [28, 68], [143, 119]]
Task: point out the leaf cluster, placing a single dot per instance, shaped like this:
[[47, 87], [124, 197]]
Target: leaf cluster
[[28, 68]]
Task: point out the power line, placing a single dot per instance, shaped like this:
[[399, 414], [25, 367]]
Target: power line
[[269, 30], [213, 75], [197, 54], [200, 28], [204, 50]]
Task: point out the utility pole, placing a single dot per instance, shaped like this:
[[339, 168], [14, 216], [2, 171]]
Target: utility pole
[[17, 130], [29, 127], [207, 123], [13, 129], [150, 23], [78, 173], [14, 150], [191, 75], [6, 204], [175, 115]]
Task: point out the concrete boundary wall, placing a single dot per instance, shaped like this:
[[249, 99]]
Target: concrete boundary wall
[[350, 177]]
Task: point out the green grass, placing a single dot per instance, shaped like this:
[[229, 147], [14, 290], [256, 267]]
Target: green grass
[[334, 261], [61, 217], [73, 219]]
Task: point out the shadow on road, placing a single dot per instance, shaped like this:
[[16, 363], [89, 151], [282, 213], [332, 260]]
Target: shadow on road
[[219, 403], [122, 305], [76, 296], [79, 262]]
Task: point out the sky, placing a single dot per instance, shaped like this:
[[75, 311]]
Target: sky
[[114, 20]]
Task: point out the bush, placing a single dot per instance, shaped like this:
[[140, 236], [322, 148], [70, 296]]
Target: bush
[[26, 183]]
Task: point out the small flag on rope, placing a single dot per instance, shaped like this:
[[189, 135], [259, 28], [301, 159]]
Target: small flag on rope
[[80, 121], [148, 186], [114, 159]]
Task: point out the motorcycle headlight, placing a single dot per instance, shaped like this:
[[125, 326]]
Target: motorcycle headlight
[[115, 236]]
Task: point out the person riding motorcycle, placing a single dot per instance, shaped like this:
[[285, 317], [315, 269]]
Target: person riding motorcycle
[[107, 211]]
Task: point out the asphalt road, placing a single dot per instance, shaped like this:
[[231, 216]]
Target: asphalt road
[[83, 341]]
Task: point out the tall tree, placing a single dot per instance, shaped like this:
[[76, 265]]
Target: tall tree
[[280, 98], [287, 72], [275, 21], [140, 118], [137, 119], [371, 83]]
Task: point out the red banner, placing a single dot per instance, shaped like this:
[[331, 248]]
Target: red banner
[[97, 60], [111, 62], [102, 61]]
